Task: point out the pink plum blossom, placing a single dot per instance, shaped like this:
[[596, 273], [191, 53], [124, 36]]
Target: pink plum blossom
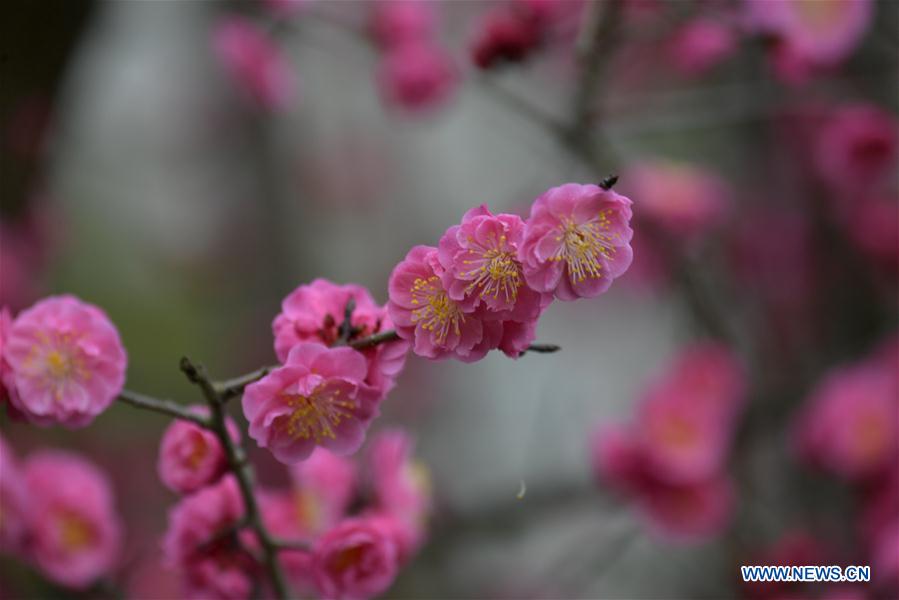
[[857, 147], [416, 77], [395, 23], [15, 504], [480, 258], [849, 424], [576, 241], [424, 314], [809, 36], [314, 312], [402, 485], [75, 531], [191, 457], [317, 398], [66, 360], [254, 62], [702, 44], [356, 560], [684, 200]]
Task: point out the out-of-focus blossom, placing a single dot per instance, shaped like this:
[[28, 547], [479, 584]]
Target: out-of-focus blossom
[[395, 23], [15, 504], [425, 315], [190, 456], [402, 485], [317, 398], [315, 312], [700, 45], [416, 77], [254, 62], [680, 512], [323, 487], [849, 425], [685, 200], [670, 463], [809, 36], [28, 241], [356, 560], [577, 241], [5, 370], [504, 34], [67, 363], [857, 148], [480, 258], [75, 531], [198, 544]]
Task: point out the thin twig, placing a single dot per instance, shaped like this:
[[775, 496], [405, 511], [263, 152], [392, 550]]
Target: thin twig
[[542, 348], [243, 472], [231, 388], [345, 331], [373, 340], [165, 407]]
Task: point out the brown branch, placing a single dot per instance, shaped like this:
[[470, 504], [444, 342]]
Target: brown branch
[[165, 407], [243, 472]]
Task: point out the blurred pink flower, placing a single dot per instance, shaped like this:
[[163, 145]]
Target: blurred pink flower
[[857, 148], [677, 511], [356, 560], [223, 575], [15, 503], [425, 315], [577, 241], [254, 62], [480, 258], [700, 45], [323, 488], [314, 312], [505, 34], [416, 76], [317, 398], [191, 457], [66, 360], [849, 424], [75, 532], [197, 518], [809, 35], [683, 199], [395, 23], [402, 485], [688, 512]]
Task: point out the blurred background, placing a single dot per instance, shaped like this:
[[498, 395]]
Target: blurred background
[[146, 172]]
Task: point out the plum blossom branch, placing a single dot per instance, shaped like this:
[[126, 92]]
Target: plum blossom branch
[[165, 407], [242, 471]]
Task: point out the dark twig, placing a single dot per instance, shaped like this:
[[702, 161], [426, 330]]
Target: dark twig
[[231, 388], [243, 472], [345, 331], [165, 407], [373, 340], [542, 348]]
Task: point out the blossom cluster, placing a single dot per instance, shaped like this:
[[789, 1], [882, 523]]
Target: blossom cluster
[[58, 514], [348, 536], [672, 461], [323, 395], [486, 283]]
